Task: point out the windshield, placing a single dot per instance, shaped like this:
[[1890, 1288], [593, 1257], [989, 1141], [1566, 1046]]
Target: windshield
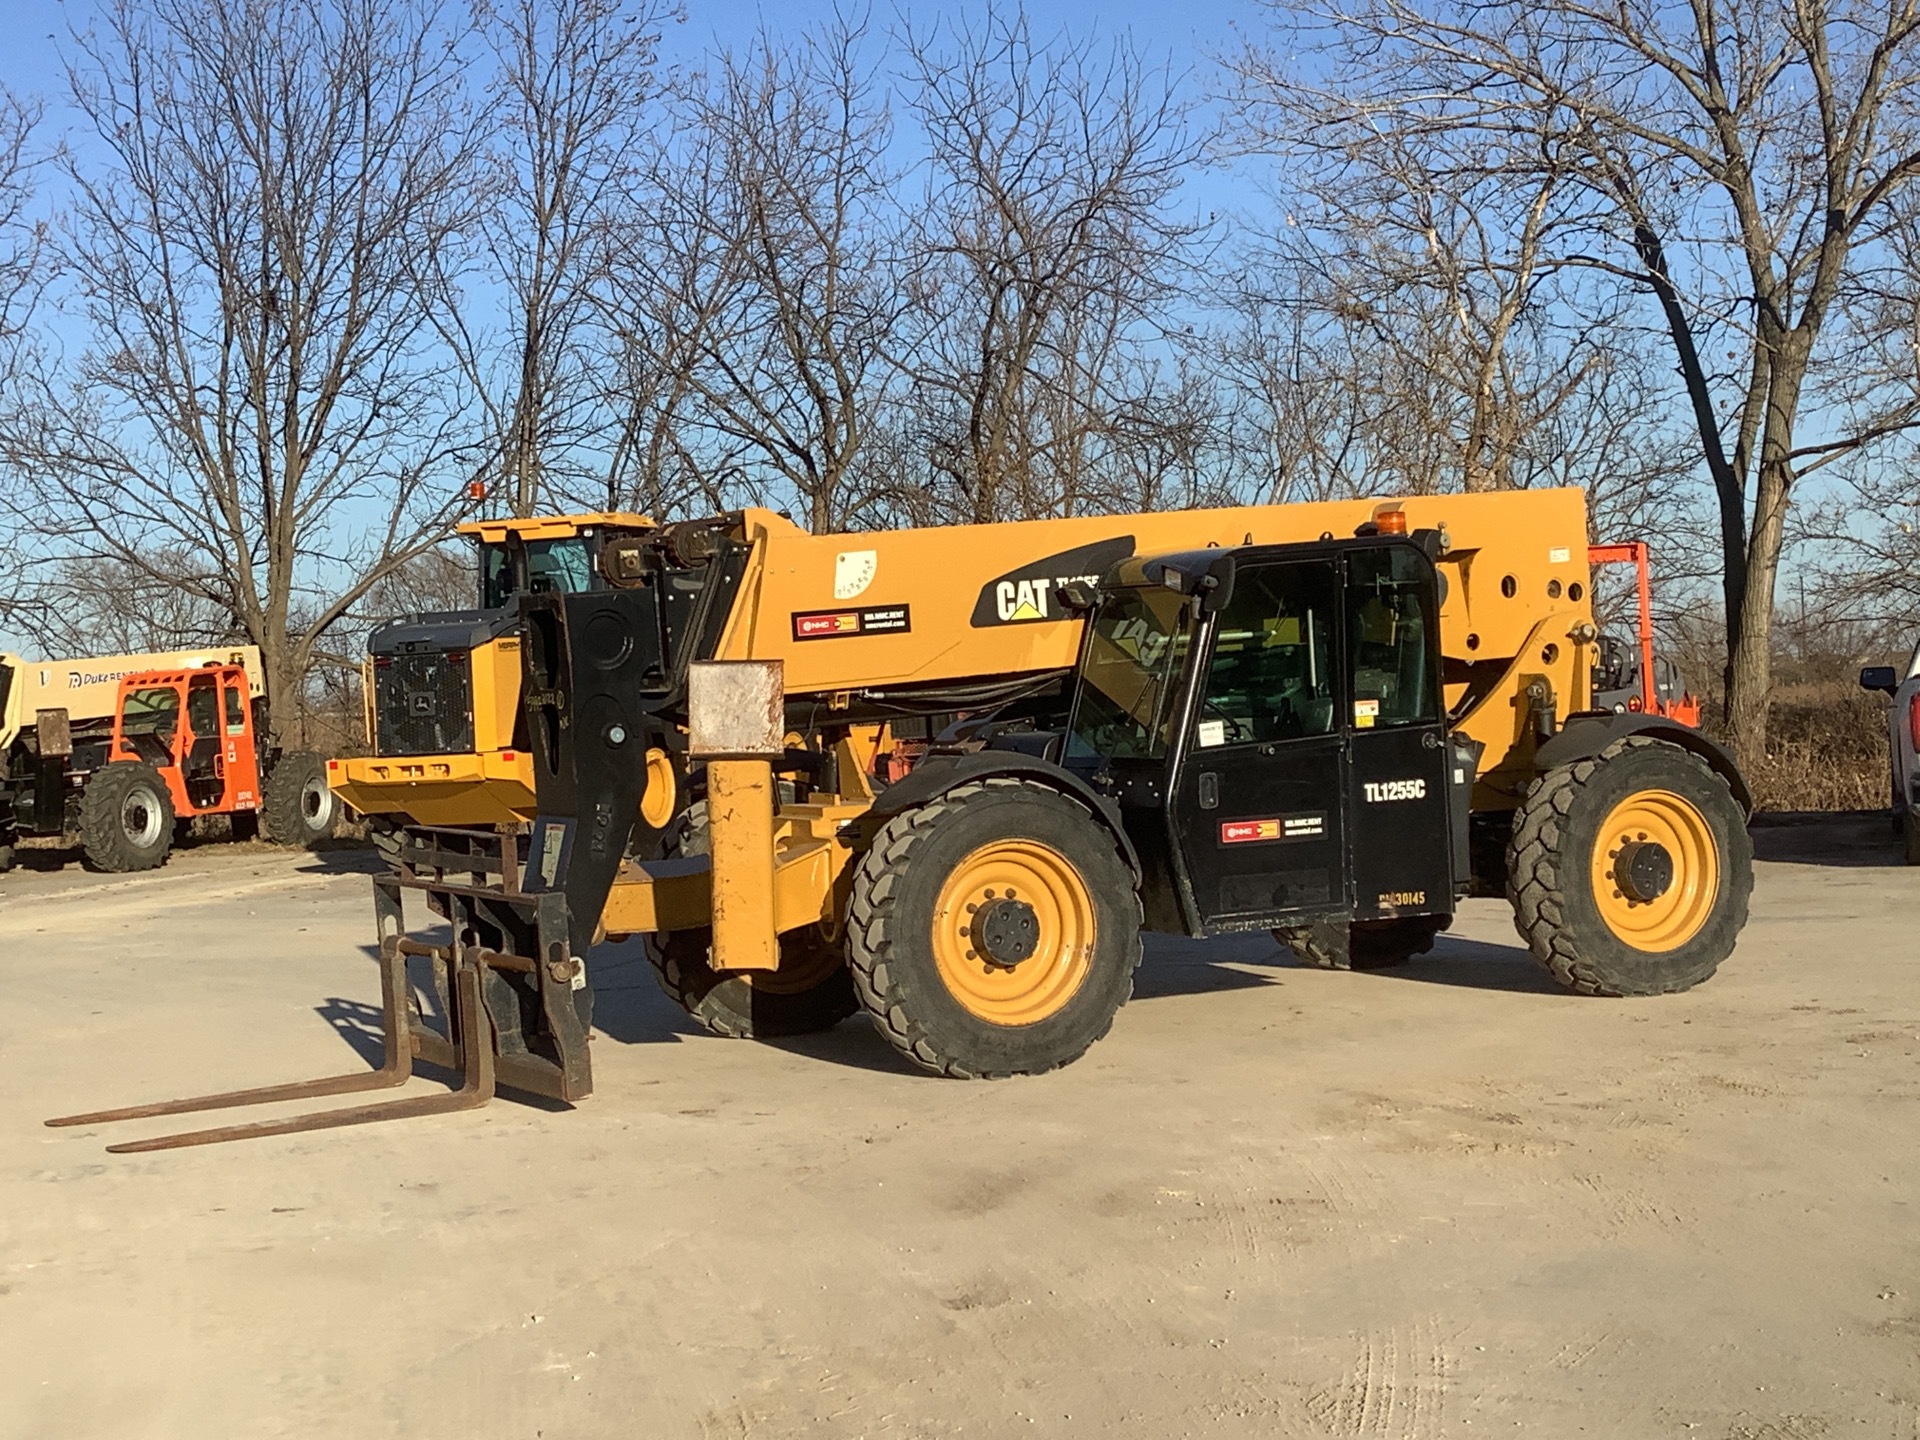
[[1130, 676], [554, 567]]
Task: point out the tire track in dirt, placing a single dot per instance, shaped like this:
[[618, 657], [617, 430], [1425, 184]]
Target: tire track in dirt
[[1396, 1389]]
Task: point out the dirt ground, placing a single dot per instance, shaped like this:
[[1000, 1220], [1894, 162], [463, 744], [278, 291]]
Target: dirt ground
[[1446, 1201]]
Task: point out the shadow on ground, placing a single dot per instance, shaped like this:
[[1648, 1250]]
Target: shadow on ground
[[1848, 839], [1176, 967]]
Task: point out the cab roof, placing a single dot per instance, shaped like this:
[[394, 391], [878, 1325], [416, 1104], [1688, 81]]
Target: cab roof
[[553, 527]]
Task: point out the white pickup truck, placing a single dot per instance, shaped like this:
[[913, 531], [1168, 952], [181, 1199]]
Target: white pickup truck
[[1903, 743]]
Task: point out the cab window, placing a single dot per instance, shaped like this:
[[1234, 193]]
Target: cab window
[[203, 707], [496, 578], [1390, 595], [151, 712], [236, 711], [559, 567], [551, 567], [1130, 676], [1270, 676]]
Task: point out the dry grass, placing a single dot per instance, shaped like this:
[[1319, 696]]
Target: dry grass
[[1826, 750]]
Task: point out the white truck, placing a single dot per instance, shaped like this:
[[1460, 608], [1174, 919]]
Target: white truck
[[1903, 744]]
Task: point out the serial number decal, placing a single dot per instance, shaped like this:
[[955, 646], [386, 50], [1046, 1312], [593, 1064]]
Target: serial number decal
[[873, 620], [1278, 827], [1397, 899], [1380, 791]]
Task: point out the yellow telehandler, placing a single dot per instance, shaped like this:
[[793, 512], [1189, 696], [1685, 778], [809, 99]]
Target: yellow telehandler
[[1331, 721]]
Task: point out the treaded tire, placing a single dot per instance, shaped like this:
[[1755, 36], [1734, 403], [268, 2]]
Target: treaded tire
[[1910, 834], [385, 835], [890, 945], [1549, 879], [730, 1004], [126, 818], [1372, 944], [298, 809]]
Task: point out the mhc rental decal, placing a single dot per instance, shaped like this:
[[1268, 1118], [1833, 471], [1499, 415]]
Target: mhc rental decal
[[1280, 827], [873, 620], [1025, 596]]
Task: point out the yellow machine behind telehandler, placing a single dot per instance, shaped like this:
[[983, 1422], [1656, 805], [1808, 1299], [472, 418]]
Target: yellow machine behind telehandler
[[442, 690], [1331, 721]]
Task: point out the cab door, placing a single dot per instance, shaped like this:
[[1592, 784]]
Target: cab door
[[1256, 808], [239, 747], [1398, 759]]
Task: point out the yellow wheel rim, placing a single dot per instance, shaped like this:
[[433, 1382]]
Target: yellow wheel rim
[[657, 801], [807, 959], [1031, 989], [1669, 919]]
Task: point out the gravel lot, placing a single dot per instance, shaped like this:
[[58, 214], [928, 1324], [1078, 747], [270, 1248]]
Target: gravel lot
[[1451, 1200]]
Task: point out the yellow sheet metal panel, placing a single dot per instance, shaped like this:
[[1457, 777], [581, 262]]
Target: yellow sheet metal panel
[[740, 803], [495, 668], [659, 895], [491, 789], [553, 527]]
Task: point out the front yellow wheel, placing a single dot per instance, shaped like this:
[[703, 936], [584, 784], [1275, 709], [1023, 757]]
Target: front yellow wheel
[[993, 929], [1656, 870], [1014, 932]]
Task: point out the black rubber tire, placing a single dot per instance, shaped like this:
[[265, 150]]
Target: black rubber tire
[[126, 818], [1371, 944], [298, 809], [1910, 834], [1551, 890], [730, 1004], [384, 834], [890, 916]]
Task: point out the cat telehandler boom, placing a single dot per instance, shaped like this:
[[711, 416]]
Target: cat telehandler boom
[[1331, 721]]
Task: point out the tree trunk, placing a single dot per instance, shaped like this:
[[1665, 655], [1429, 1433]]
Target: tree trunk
[[1750, 623]]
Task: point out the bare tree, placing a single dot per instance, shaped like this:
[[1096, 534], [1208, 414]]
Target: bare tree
[[1735, 161], [23, 237], [573, 81], [1050, 254], [761, 289], [261, 420]]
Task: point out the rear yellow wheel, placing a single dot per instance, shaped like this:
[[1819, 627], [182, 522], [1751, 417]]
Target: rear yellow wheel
[[1014, 932], [1656, 870], [1630, 870], [809, 992]]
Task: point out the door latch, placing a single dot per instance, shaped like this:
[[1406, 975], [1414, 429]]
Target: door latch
[[1209, 790]]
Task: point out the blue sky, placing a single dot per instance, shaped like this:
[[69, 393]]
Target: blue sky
[[35, 30]]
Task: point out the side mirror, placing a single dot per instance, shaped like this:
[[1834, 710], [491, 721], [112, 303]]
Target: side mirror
[[1076, 596], [1883, 678]]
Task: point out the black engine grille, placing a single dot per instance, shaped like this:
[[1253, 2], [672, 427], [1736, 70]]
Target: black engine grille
[[422, 703]]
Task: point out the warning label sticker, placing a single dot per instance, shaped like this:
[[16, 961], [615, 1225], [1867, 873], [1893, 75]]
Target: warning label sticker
[[1279, 827], [872, 620]]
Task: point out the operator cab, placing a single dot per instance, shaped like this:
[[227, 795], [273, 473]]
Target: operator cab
[[1269, 720]]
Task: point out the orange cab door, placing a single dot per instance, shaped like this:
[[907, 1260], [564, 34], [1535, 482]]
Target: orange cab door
[[239, 756]]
